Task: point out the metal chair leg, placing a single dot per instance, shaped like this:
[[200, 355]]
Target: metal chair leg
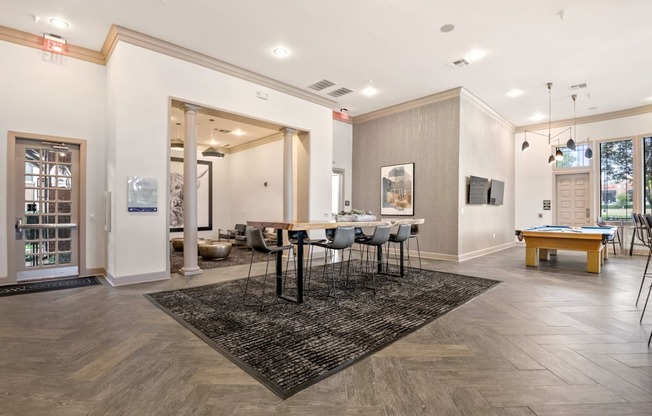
[[645, 306], [644, 276]]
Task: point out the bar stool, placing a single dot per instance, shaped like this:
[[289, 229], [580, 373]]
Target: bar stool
[[644, 233], [377, 240], [293, 238], [256, 242], [601, 223], [343, 239], [414, 233], [401, 236]]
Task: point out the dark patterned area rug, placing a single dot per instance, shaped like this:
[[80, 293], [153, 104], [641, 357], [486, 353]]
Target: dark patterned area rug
[[34, 287], [239, 255], [289, 347]]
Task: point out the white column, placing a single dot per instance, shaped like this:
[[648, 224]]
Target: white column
[[288, 176], [190, 266]]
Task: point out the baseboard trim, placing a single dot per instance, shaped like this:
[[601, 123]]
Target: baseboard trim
[[136, 278], [485, 251]]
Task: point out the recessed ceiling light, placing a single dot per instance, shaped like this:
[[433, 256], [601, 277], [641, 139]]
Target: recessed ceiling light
[[515, 93], [238, 132], [369, 90], [447, 28], [538, 117], [280, 52], [475, 55], [649, 99], [59, 23]]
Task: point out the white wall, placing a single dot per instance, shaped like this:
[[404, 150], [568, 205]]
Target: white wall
[[55, 95], [486, 150], [140, 85], [343, 155], [534, 177]]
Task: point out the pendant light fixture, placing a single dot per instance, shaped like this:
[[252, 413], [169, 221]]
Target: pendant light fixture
[[558, 155], [213, 151], [570, 144], [177, 143]]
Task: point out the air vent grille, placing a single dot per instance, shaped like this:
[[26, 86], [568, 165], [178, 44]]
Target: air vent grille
[[340, 92], [459, 63], [323, 84], [578, 86], [223, 131]]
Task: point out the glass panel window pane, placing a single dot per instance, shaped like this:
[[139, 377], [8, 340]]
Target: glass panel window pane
[[64, 258], [31, 207], [574, 158], [31, 181], [48, 234], [31, 234], [64, 182], [64, 195], [64, 219], [49, 246], [64, 207], [48, 259], [49, 155], [647, 175], [616, 179], [65, 157], [64, 233], [49, 219], [64, 245]]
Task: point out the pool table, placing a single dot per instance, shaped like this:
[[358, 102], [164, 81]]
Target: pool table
[[540, 242]]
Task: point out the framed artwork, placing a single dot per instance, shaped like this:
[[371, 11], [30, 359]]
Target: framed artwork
[[397, 189], [204, 195]]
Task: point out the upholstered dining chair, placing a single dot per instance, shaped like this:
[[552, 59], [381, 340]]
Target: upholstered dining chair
[[401, 236], [374, 243], [256, 242], [343, 239]]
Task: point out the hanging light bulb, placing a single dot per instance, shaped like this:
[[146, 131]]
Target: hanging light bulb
[[177, 143], [559, 155], [588, 153], [525, 144], [551, 159], [571, 143]]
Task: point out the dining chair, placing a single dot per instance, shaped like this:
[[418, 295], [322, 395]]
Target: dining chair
[[256, 241], [414, 234], [343, 239], [644, 234], [646, 220], [616, 238], [401, 236], [374, 243]]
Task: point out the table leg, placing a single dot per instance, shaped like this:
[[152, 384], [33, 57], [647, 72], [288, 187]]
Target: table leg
[[544, 254], [299, 271], [401, 269], [593, 261], [531, 256], [380, 259], [279, 264]]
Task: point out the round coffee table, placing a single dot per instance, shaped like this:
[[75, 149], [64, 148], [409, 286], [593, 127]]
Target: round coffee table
[[215, 250], [177, 243]]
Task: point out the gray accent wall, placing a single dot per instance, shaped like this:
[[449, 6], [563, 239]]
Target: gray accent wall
[[428, 136], [448, 140]]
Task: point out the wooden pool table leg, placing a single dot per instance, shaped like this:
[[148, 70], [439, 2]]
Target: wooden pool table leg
[[531, 256], [594, 261], [544, 254]]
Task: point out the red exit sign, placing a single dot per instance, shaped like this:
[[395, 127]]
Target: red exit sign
[[53, 43]]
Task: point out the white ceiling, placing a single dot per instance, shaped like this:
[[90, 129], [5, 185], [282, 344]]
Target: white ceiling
[[397, 44]]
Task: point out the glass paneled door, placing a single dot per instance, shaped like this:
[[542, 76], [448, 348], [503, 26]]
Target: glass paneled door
[[47, 209]]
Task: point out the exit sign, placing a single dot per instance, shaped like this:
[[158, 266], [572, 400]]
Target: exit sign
[[54, 43]]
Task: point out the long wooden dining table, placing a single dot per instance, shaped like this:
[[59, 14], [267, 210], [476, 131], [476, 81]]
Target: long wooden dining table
[[279, 226]]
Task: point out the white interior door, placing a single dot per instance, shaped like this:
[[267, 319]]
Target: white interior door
[[573, 206], [47, 210]]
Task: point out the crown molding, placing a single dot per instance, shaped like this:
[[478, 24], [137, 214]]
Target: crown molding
[[250, 145], [490, 111], [35, 41], [636, 111], [408, 105], [121, 34]]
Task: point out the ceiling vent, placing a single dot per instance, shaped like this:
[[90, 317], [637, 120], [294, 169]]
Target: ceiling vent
[[578, 86], [223, 131], [459, 63], [340, 92], [323, 84]]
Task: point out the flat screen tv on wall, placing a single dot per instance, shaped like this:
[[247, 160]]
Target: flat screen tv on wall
[[478, 190], [496, 192]]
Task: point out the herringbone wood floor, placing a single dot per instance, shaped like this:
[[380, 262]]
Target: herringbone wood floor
[[547, 341]]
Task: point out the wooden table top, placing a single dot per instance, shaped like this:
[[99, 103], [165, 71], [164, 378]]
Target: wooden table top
[[321, 225]]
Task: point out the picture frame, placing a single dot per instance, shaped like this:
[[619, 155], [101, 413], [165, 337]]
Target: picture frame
[[397, 189], [204, 195]]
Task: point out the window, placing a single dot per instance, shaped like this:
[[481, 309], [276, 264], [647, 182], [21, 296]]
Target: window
[[616, 176], [573, 158], [647, 175]]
